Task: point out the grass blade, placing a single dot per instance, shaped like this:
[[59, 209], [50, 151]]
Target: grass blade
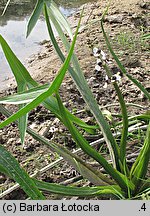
[[17, 67], [23, 119], [94, 176], [24, 96], [11, 166], [29, 95], [50, 103]]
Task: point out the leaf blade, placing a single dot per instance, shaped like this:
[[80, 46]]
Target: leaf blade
[[53, 87], [82, 86], [9, 163], [34, 17], [84, 145], [75, 161], [76, 191], [61, 18], [140, 166]]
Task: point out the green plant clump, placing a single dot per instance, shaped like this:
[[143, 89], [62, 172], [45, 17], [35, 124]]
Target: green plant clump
[[119, 179]]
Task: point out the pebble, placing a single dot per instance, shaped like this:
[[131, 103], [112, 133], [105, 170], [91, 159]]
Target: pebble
[[145, 5], [114, 18], [91, 80]]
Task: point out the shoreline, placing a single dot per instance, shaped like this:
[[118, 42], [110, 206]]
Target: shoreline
[[39, 63]]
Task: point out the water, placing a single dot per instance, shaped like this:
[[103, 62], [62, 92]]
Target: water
[[13, 28]]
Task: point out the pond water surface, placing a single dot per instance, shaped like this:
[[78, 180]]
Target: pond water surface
[[13, 28]]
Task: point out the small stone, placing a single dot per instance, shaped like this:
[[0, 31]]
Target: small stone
[[145, 5], [97, 68], [114, 18], [91, 80]]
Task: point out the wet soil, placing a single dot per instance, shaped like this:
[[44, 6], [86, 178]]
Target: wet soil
[[125, 24]]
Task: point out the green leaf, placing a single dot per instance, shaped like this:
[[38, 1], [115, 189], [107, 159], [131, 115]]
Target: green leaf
[[20, 72], [24, 96], [140, 166], [35, 16], [61, 34], [146, 36], [76, 191], [60, 18], [53, 87], [84, 145], [124, 133], [12, 167], [22, 76], [85, 91], [50, 103], [87, 171], [23, 119]]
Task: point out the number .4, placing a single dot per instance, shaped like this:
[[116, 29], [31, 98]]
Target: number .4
[[143, 207]]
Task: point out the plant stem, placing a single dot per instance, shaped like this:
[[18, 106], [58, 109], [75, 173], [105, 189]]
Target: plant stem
[[125, 126]]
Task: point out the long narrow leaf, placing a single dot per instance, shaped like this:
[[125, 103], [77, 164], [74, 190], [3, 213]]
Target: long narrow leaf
[[53, 87], [61, 18], [23, 119], [20, 72], [88, 172], [16, 67], [61, 34], [34, 17], [84, 145], [88, 97], [139, 168], [24, 96], [76, 191], [124, 135], [11, 166], [50, 103]]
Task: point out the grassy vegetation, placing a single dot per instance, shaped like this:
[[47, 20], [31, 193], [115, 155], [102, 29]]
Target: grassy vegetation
[[127, 40]]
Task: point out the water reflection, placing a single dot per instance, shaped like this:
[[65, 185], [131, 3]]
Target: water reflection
[[13, 28], [17, 10]]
